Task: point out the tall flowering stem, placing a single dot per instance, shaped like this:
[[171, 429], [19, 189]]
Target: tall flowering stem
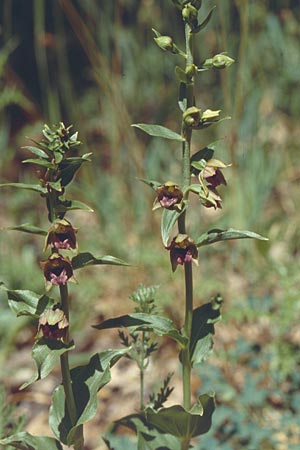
[[186, 174], [66, 377]]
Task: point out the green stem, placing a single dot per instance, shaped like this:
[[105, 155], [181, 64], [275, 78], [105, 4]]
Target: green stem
[[142, 370], [186, 153], [66, 376]]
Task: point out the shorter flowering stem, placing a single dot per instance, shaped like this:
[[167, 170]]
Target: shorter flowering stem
[[66, 376]]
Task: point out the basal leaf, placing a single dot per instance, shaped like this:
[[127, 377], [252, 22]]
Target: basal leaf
[[158, 131], [46, 354], [179, 422], [87, 380], [87, 259], [203, 330], [149, 438], [25, 441], [147, 322], [217, 235], [168, 220], [28, 303], [29, 187], [28, 228]]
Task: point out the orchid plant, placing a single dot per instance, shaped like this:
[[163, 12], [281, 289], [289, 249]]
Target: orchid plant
[[74, 401], [71, 407]]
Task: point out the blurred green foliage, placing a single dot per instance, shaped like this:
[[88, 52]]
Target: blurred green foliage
[[94, 64]]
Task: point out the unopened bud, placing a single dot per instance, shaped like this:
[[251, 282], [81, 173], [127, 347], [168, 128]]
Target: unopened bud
[[192, 117], [166, 44], [190, 15], [221, 61]]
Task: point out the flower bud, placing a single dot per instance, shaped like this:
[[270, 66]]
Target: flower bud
[[53, 324], [210, 198], [190, 15], [210, 116], [192, 117], [169, 196], [62, 236], [182, 250], [57, 270], [221, 61], [166, 44]]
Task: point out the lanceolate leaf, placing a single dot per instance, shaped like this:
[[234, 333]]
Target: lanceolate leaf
[[87, 259], [28, 303], [168, 220], [203, 329], [46, 353], [181, 423], [147, 322], [68, 205], [217, 235], [87, 380], [69, 167], [29, 187], [205, 21], [153, 184], [41, 162], [28, 228], [25, 441], [158, 131], [36, 151]]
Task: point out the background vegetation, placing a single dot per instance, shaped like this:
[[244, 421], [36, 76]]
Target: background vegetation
[[94, 64]]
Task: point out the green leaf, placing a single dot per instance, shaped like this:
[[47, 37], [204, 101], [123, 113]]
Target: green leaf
[[69, 166], [204, 22], [206, 154], [149, 438], [46, 354], [168, 220], [28, 228], [179, 422], [158, 131], [36, 151], [145, 322], [30, 187], [153, 184], [203, 329], [87, 259], [25, 441], [70, 205], [217, 235], [40, 162], [28, 303], [87, 380]]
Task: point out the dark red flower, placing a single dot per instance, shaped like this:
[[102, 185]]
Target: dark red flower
[[53, 324], [182, 250], [62, 235], [169, 196], [57, 269]]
